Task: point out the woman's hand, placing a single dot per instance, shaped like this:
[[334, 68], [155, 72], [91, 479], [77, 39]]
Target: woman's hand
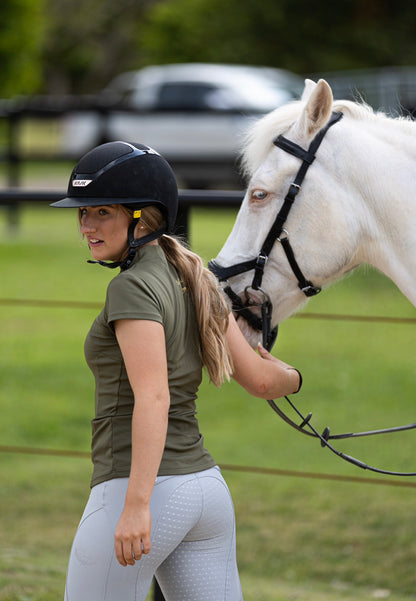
[[269, 357], [297, 378], [132, 537], [269, 379]]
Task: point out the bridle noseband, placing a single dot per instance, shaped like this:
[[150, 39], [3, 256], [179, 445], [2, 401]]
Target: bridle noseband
[[263, 323]]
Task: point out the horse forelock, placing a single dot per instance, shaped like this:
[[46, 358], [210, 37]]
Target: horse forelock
[[258, 141]]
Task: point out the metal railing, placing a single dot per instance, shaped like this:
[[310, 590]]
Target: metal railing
[[13, 198], [195, 170]]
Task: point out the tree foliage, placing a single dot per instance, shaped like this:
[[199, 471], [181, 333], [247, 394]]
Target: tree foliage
[[90, 41], [22, 32], [294, 34], [77, 46]]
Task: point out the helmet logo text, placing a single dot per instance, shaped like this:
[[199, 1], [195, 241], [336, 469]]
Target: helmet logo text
[[81, 183]]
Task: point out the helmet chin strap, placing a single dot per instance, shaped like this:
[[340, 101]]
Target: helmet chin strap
[[134, 244]]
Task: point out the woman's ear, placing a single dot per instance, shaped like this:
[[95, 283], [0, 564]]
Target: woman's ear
[[140, 230]]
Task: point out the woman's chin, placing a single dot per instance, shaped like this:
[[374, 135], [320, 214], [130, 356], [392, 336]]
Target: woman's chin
[[98, 254]]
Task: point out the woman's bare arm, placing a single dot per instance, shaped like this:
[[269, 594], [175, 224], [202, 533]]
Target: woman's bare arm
[[262, 375], [142, 344]]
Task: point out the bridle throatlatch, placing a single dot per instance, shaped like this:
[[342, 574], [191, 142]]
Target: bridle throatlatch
[[263, 323]]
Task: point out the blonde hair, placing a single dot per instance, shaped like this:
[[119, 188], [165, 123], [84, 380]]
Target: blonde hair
[[210, 307]]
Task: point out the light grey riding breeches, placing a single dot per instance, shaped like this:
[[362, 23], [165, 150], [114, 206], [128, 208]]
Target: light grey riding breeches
[[193, 555]]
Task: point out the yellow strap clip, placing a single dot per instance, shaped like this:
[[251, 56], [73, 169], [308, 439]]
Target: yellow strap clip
[[137, 214]]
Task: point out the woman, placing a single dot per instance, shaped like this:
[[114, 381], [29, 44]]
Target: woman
[[158, 505]]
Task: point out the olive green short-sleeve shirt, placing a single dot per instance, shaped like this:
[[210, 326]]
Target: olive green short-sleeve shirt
[[150, 289]]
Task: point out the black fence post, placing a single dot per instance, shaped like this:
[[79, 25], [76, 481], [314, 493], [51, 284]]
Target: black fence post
[[182, 222]]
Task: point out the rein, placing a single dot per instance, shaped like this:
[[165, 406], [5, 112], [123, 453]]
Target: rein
[[263, 323], [326, 436]]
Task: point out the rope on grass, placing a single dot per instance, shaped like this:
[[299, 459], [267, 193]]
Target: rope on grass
[[27, 302], [225, 466], [39, 451], [94, 305]]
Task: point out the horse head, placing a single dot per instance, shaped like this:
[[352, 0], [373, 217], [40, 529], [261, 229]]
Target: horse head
[[325, 223]]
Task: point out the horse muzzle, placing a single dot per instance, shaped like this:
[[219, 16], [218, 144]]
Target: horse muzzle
[[256, 308]]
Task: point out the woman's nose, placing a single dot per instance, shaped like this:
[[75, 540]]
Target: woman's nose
[[87, 225]]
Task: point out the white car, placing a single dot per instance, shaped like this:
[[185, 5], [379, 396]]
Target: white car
[[194, 114]]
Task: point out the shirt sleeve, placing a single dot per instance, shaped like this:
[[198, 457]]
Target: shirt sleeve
[[131, 298]]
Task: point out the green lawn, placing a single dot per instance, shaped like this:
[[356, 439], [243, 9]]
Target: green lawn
[[298, 537]]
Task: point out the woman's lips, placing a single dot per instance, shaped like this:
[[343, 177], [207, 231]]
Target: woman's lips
[[94, 241]]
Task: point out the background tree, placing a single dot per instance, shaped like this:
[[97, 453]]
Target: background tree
[[91, 41], [22, 32], [78, 46], [295, 34]]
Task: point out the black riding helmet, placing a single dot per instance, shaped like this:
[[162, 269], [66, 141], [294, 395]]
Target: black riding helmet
[[135, 176]]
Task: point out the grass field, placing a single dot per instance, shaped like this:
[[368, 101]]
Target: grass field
[[299, 538]]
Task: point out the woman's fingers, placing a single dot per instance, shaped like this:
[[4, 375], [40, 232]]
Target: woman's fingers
[[129, 551], [118, 547], [262, 351]]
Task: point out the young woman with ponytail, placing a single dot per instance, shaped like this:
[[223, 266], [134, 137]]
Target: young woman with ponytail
[[159, 505]]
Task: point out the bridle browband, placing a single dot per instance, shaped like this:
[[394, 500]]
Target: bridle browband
[[263, 323]]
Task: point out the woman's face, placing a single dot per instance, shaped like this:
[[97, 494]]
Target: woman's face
[[105, 229]]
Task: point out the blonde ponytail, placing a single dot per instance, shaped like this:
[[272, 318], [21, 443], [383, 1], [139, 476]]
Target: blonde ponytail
[[210, 306]]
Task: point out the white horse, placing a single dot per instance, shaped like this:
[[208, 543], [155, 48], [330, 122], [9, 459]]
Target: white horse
[[357, 203]]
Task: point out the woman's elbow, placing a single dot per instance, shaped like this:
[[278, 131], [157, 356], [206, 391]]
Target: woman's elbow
[[272, 386], [261, 387]]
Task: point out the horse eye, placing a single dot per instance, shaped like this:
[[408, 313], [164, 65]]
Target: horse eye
[[258, 195]]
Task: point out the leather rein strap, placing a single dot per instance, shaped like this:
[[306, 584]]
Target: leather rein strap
[[307, 428]]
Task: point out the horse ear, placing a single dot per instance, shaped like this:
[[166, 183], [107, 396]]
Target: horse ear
[[318, 108], [309, 87]]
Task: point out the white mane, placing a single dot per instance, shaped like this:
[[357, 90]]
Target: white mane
[[259, 139]]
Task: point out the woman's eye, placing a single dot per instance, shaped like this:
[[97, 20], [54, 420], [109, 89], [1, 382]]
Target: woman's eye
[[258, 195]]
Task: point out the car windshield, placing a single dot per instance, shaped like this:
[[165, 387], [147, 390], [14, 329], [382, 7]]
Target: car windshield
[[267, 96], [231, 90]]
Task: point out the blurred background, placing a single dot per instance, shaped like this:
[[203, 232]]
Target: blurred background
[[175, 74], [188, 76], [78, 47]]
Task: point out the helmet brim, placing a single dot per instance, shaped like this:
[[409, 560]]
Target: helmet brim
[[75, 203]]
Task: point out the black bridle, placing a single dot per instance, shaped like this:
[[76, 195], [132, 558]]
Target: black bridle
[[263, 323], [242, 309]]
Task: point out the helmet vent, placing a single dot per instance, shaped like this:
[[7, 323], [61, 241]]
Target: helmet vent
[[100, 157]]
